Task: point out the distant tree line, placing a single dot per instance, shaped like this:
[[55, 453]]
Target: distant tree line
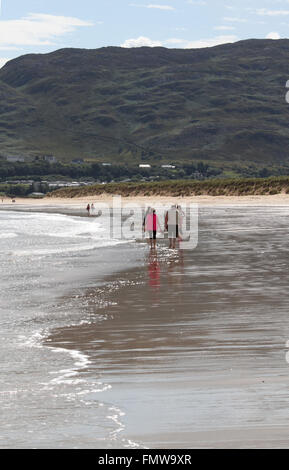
[[117, 172], [13, 190], [96, 172]]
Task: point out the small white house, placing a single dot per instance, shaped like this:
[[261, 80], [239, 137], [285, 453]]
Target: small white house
[[143, 165], [172, 167], [49, 159], [14, 159]]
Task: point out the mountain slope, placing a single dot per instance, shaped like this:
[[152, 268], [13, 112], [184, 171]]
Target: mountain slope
[[220, 104]]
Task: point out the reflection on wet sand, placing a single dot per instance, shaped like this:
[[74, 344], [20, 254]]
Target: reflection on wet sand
[[154, 269], [193, 346], [167, 269]]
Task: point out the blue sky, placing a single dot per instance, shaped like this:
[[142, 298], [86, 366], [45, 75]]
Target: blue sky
[[40, 26]]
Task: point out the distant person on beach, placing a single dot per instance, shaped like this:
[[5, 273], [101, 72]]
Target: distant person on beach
[[172, 225], [152, 225], [92, 209], [88, 209]]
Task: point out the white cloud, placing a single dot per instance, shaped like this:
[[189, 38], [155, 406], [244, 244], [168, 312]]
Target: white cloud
[[266, 12], [3, 61], [180, 43], [224, 28], [152, 5], [210, 42], [37, 29], [175, 41], [161, 7], [201, 3], [180, 29], [273, 35], [141, 41], [233, 19]]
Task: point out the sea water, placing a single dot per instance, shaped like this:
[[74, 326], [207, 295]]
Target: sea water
[[47, 399], [197, 346]]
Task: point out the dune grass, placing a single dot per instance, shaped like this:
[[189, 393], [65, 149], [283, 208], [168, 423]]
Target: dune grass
[[212, 187]]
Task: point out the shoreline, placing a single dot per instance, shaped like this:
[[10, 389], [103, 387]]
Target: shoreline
[[43, 296], [281, 199]]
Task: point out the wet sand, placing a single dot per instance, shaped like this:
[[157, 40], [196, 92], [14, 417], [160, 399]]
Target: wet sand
[[193, 343]]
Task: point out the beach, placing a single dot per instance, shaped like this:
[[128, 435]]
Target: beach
[[136, 348], [276, 199]]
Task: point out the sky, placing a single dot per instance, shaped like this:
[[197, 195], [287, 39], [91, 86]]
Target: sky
[[41, 26]]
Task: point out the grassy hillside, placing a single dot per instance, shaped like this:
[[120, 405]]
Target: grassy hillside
[[221, 105], [214, 187]]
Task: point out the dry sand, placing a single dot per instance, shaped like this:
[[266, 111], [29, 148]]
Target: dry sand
[[270, 200]]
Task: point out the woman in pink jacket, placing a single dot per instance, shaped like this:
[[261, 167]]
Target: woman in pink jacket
[[152, 225]]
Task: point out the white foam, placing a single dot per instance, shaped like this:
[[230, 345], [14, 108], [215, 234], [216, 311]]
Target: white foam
[[70, 376], [8, 235], [54, 234], [54, 225], [34, 340], [68, 249]]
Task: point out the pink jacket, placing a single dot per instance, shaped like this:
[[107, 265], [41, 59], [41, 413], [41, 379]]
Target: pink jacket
[[151, 222]]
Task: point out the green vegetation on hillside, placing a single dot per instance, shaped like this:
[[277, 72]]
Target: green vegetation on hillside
[[12, 190], [94, 172], [223, 105], [39, 170]]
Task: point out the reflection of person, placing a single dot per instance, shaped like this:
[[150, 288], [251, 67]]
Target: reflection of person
[[152, 225], [175, 266], [154, 270]]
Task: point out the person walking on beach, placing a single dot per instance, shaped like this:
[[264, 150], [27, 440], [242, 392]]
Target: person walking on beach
[[152, 225], [88, 209], [173, 226], [181, 217], [145, 217]]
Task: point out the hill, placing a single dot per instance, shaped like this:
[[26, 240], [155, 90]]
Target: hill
[[223, 105]]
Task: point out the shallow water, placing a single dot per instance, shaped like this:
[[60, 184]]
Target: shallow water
[[181, 349], [44, 258]]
